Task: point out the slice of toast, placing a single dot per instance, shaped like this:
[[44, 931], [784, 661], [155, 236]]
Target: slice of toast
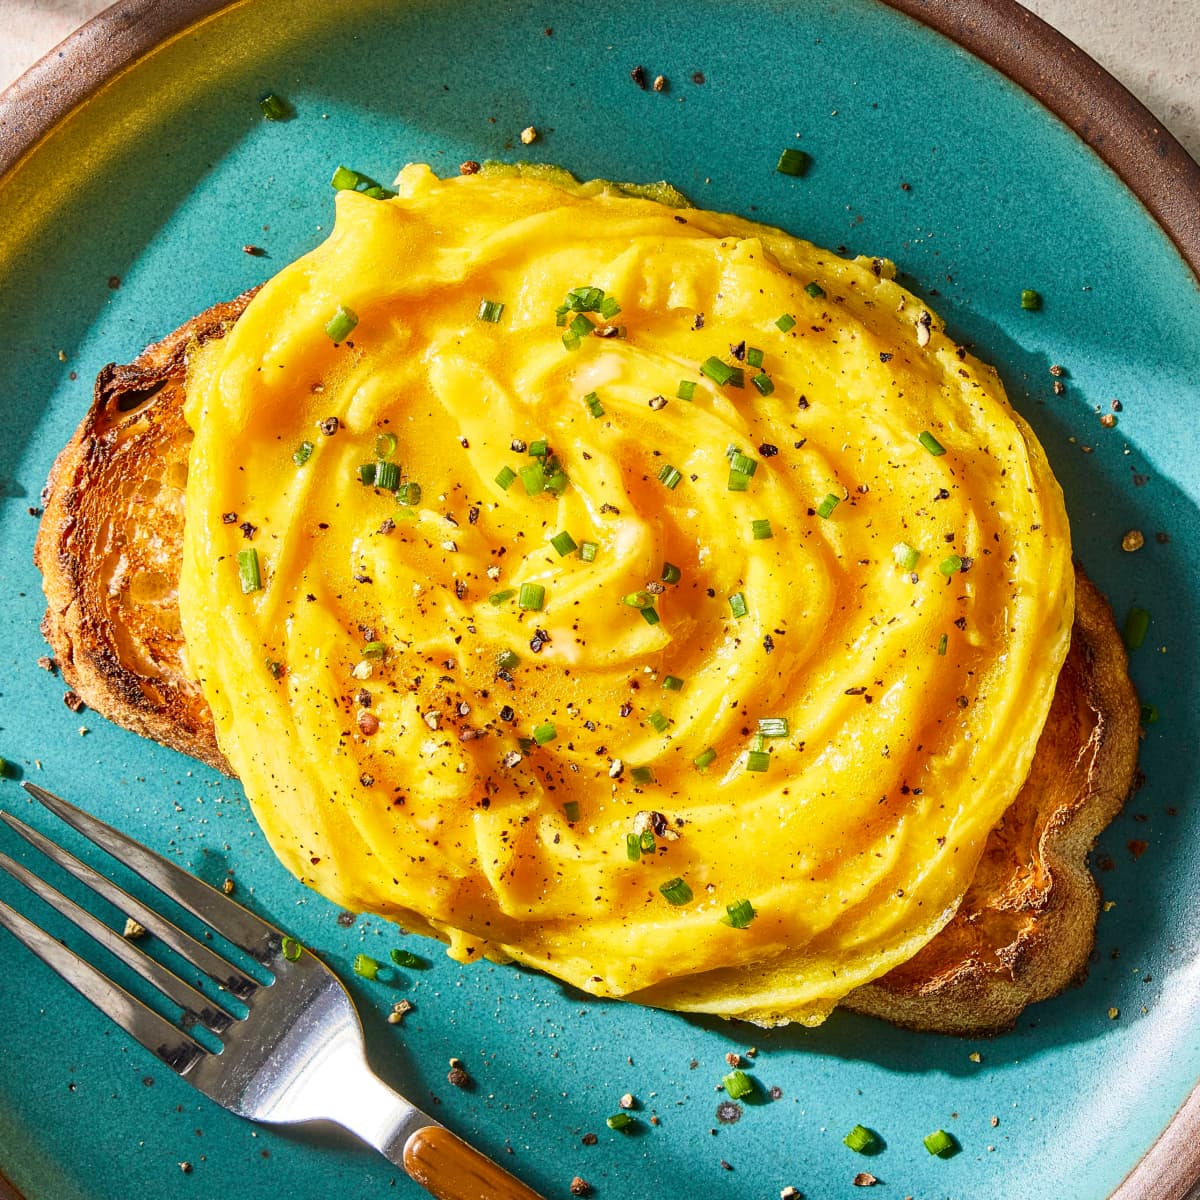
[[109, 551]]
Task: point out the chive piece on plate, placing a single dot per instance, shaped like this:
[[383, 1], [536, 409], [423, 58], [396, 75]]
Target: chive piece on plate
[[275, 108], [737, 605], [588, 551], [341, 324], [248, 571], [676, 891], [826, 507], [792, 162], [860, 1139], [704, 759], [564, 543], [757, 760], [1031, 300], [760, 529], [740, 914], [505, 477], [785, 322], [686, 389], [365, 966], [737, 1085], [544, 733], [490, 311], [670, 476], [302, 453], [532, 597], [931, 443], [906, 556]]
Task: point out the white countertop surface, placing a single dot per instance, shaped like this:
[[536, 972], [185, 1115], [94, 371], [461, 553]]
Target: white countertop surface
[[1151, 46]]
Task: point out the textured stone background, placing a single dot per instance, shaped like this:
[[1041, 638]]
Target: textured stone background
[[1152, 46]]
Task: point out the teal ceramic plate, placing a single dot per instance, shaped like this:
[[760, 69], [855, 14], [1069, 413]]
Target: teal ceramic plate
[[131, 215]]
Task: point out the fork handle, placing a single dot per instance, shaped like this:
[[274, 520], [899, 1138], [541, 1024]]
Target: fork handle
[[449, 1169]]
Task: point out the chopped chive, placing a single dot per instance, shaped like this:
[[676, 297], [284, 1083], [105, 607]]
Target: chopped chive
[[1149, 714], [738, 378], [571, 811], [585, 299], [406, 958], [633, 847], [379, 193], [949, 565], [658, 721], [943, 642], [814, 289], [672, 683], [571, 340], [647, 842], [704, 759], [539, 448], [737, 1085], [365, 966], [754, 357], [758, 742], [498, 598], [272, 665], [375, 650], [671, 573], [544, 733], [409, 494], [638, 599], [593, 403], [1030, 299], [564, 543], [738, 481], [621, 1120], [385, 445], [650, 615], [931, 443], [302, 453], [534, 478], [906, 556], [507, 659], [716, 370], [346, 180], [938, 1142], [274, 108], [670, 476], [642, 775], [760, 529], [248, 571], [1137, 625], [739, 915], [676, 891], [737, 605], [743, 462], [556, 483], [341, 324], [686, 389], [532, 597], [785, 322], [826, 507], [505, 477], [609, 307], [366, 473], [580, 326], [560, 315], [773, 727], [763, 384], [490, 311], [387, 475], [588, 551], [860, 1139], [291, 949], [792, 162], [757, 760]]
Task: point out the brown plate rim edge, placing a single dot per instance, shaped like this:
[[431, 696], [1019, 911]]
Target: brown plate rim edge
[[1102, 112]]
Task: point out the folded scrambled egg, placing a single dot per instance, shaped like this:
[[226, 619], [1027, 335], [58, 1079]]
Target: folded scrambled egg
[[632, 591]]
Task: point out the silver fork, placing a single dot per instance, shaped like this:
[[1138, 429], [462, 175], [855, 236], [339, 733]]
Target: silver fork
[[297, 1055]]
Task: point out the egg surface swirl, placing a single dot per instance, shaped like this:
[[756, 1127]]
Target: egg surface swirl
[[635, 592]]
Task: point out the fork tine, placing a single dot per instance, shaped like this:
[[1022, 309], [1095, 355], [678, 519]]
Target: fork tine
[[199, 955], [196, 1006], [215, 909], [159, 1036]]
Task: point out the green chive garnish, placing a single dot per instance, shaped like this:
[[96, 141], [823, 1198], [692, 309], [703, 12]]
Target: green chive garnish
[[248, 571], [672, 683], [291, 949], [302, 453], [686, 389], [860, 1139], [943, 642], [385, 445], [633, 847], [773, 727], [531, 597], [670, 476], [760, 529], [1137, 625], [671, 573], [406, 958], [387, 475], [507, 659], [938, 1142], [814, 289], [737, 605], [742, 462], [498, 598], [564, 543], [754, 357], [658, 721], [704, 759], [593, 403], [738, 481], [374, 650], [737, 1085], [949, 565], [763, 384], [1030, 299], [738, 378], [365, 966], [539, 448], [757, 760], [676, 891], [274, 108], [650, 615], [490, 311], [588, 551], [346, 180], [409, 494], [571, 811], [931, 443], [379, 193], [638, 599], [1149, 714], [621, 1120], [571, 340], [544, 733], [642, 775], [556, 483], [609, 308], [580, 326], [906, 556], [739, 915], [716, 370], [341, 324], [792, 162], [366, 473], [534, 478], [785, 322], [826, 507], [647, 842], [505, 477]]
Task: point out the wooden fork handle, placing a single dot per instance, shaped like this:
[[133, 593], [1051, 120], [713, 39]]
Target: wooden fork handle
[[449, 1169]]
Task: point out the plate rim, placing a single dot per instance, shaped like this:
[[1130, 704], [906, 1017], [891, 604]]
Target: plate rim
[[1148, 159]]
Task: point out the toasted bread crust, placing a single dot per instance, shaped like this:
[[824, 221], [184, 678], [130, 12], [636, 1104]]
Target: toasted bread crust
[[109, 550]]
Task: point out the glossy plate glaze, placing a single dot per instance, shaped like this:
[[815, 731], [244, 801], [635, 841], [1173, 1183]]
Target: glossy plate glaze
[[131, 215]]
